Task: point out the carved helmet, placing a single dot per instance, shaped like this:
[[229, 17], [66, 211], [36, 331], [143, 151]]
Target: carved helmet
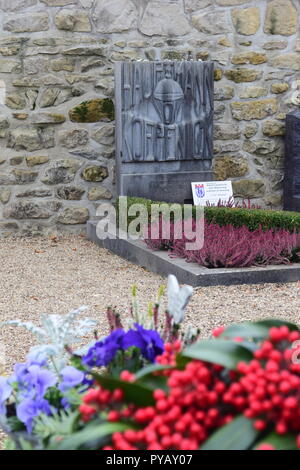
[[168, 97], [168, 90]]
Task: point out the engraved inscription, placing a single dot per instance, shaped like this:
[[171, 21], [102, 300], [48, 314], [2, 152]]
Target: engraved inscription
[[167, 111]]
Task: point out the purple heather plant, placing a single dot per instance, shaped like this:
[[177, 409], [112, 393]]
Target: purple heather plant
[[228, 246], [244, 204]]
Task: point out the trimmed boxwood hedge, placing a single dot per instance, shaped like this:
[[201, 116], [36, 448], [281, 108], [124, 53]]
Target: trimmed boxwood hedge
[[252, 218]]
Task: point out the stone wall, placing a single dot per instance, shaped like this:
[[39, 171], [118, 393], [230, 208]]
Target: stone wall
[[56, 85]]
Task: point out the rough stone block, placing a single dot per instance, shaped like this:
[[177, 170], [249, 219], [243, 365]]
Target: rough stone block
[[259, 109], [246, 21], [281, 18], [240, 75], [95, 173], [73, 216], [26, 23]]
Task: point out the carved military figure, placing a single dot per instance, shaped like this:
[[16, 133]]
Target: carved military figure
[[164, 125], [166, 122]]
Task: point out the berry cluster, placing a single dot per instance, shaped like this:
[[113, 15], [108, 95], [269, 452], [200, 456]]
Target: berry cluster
[[169, 355], [99, 399], [183, 418], [204, 397], [269, 389]]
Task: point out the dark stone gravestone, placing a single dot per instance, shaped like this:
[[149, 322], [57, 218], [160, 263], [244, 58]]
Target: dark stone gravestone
[[292, 162], [164, 128]]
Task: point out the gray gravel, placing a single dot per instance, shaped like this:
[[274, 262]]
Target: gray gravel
[[56, 275]]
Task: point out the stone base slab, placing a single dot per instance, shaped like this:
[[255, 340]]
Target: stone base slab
[[168, 187]]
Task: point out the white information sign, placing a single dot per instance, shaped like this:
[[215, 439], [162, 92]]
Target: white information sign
[[211, 192]]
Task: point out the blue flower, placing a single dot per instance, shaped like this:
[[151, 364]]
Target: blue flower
[[33, 381], [148, 341], [5, 391], [20, 373], [40, 379], [70, 378], [29, 408], [103, 352], [65, 403], [35, 356]]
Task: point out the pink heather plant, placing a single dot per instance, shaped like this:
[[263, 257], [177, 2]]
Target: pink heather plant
[[230, 246]]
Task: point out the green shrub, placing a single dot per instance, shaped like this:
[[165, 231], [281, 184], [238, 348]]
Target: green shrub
[[252, 218]]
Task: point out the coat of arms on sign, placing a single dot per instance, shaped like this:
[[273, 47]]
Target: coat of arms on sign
[[200, 192]]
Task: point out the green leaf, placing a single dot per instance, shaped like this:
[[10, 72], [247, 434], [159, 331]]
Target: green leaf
[[146, 377], [25, 445], [237, 435], [92, 434], [223, 352], [257, 330], [286, 442], [14, 424], [62, 423], [270, 322], [150, 369], [9, 444], [250, 345], [136, 393], [246, 330]]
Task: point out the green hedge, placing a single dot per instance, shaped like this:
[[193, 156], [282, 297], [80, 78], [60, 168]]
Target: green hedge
[[252, 218]]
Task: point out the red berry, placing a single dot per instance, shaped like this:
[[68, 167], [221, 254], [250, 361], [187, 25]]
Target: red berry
[[290, 403], [218, 331], [118, 394], [113, 416], [127, 376], [260, 425], [281, 427], [265, 447]]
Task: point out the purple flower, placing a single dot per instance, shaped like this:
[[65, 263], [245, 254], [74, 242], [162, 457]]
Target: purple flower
[[103, 352], [65, 403], [35, 356], [20, 373], [5, 391], [70, 378], [148, 341], [40, 379], [33, 381], [29, 408]]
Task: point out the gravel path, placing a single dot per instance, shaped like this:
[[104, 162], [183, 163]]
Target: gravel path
[[54, 276]]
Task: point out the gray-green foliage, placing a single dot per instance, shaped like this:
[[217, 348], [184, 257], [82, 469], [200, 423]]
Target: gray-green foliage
[[56, 332], [58, 424]]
